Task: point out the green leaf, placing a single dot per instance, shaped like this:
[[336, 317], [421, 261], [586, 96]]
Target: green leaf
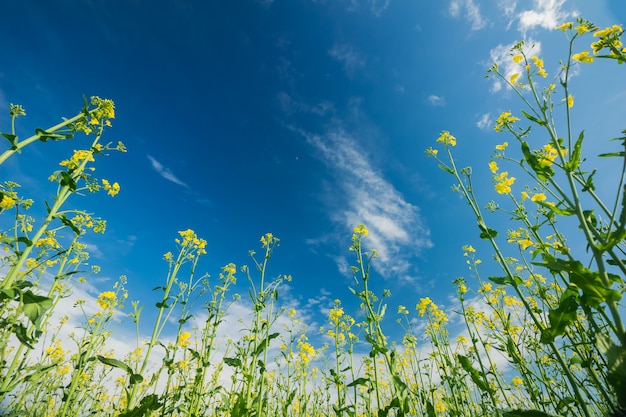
[[135, 379], [430, 409], [68, 223], [21, 239], [115, 363], [527, 413], [446, 168], [21, 333], [562, 316], [534, 119], [507, 280], [44, 135], [589, 185], [606, 155], [234, 362], [147, 405], [12, 139], [67, 181], [486, 232], [358, 381], [478, 377], [35, 306], [263, 345], [557, 210], [543, 171], [589, 282], [574, 161], [616, 357]]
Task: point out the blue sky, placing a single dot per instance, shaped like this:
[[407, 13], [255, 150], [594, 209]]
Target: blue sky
[[302, 118]]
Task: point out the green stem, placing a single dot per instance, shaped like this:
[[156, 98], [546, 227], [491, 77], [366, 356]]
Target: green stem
[[19, 145], [500, 257]]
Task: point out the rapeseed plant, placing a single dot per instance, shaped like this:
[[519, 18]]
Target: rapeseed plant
[[544, 339]]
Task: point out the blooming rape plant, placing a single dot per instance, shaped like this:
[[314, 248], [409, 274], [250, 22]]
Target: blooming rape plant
[[250, 391], [564, 334], [543, 339], [35, 252]]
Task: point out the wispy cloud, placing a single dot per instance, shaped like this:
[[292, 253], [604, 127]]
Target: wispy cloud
[[165, 172], [395, 226], [545, 13], [291, 105], [501, 55], [348, 56], [484, 122], [470, 12], [434, 100]]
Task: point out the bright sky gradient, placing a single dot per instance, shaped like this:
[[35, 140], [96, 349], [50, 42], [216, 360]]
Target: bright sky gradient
[[302, 118]]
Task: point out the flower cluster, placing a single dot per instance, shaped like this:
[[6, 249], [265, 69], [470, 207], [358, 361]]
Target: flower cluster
[[77, 159], [504, 121], [446, 138], [503, 182], [111, 189]]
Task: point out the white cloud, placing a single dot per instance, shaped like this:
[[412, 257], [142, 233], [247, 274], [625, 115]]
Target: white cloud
[[377, 7], [348, 56], [94, 251], [501, 55], [472, 12], [484, 122], [434, 100], [165, 172], [395, 226], [507, 7], [291, 105], [546, 14]]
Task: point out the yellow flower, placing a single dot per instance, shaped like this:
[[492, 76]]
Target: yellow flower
[[504, 120], [582, 28], [107, 300], [432, 152], [6, 202], [361, 230], [538, 197], [615, 29], [517, 381], [446, 138], [335, 315], [514, 78], [112, 190], [77, 158], [306, 351], [565, 26], [468, 248], [493, 167], [570, 101], [503, 183], [267, 239], [229, 269], [583, 57], [423, 305], [525, 243], [502, 147], [183, 339], [518, 58], [524, 195], [548, 154]]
